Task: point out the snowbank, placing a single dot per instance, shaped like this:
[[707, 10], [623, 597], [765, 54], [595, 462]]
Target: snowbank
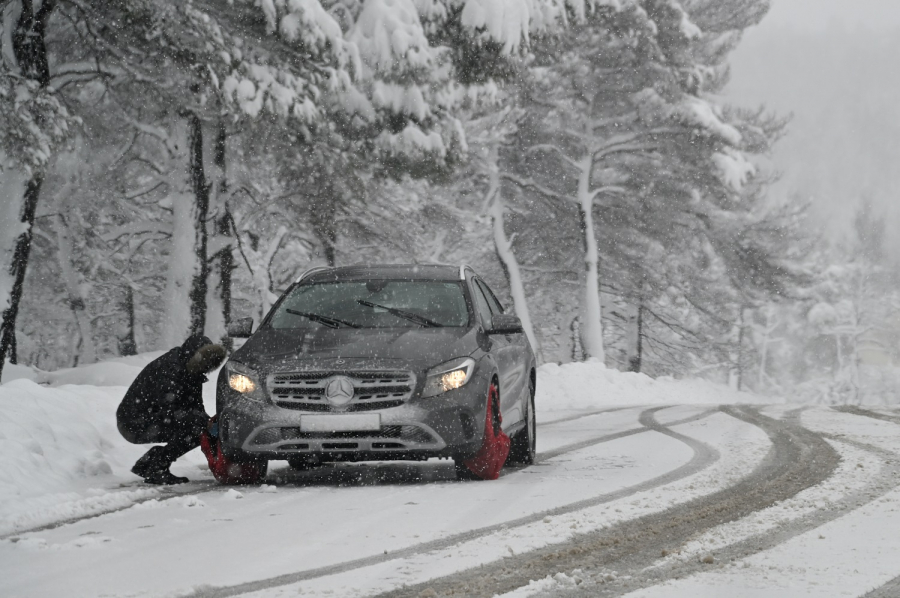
[[120, 371], [61, 450], [590, 384]]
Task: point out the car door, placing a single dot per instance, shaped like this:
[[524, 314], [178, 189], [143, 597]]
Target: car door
[[505, 351]]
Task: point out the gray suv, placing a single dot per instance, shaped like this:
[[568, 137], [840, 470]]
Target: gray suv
[[372, 363]]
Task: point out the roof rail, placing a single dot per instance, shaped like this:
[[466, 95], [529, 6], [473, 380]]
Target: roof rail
[[462, 271], [312, 271]]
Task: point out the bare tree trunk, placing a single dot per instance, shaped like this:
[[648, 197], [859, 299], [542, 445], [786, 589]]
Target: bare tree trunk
[[736, 376], [636, 360], [201, 198], [503, 247], [225, 229], [577, 353], [262, 259], [17, 270], [222, 258], [77, 302], [226, 269], [30, 52], [324, 222], [128, 343], [764, 350], [591, 324]]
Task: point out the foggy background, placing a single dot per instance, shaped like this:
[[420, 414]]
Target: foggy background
[[833, 65]]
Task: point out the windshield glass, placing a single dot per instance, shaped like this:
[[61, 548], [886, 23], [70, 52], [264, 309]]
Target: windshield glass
[[373, 304]]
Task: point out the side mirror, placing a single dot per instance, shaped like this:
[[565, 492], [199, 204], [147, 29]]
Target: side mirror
[[241, 328], [505, 324]]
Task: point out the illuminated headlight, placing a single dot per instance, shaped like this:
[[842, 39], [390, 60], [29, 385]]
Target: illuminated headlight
[[241, 383], [241, 378], [448, 376]]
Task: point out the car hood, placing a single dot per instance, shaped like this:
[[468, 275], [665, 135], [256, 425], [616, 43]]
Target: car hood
[[320, 347]]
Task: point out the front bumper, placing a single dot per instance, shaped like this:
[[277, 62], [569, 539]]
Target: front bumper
[[448, 425]]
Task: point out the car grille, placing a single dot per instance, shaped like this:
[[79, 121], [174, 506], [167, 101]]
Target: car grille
[[305, 391]]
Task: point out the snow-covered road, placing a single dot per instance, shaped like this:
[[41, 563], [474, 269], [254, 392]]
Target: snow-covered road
[[653, 500]]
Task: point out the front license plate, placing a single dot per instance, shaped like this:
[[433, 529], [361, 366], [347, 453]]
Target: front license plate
[[350, 422]]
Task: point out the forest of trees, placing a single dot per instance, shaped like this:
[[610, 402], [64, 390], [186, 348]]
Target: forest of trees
[[166, 167]]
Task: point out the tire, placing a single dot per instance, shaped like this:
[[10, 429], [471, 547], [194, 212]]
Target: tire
[[463, 473], [495, 446], [247, 470], [240, 469], [522, 451]]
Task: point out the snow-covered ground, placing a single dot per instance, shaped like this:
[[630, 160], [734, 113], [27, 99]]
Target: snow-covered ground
[[613, 447]]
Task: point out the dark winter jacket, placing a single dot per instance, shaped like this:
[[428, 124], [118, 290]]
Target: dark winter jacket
[[166, 387]]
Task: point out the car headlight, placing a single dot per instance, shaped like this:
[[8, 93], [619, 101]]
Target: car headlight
[[448, 376], [241, 378]]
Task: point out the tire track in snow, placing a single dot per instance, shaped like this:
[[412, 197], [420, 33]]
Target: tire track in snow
[[797, 460], [889, 590], [570, 418], [163, 493], [854, 410], [704, 456], [887, 480], [167, 493], [647, 423]]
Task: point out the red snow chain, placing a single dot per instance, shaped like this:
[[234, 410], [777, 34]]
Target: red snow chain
[[224, 469], [495, 448]]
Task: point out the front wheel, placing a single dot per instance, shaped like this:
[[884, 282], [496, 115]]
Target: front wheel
[[494, 450], [239, 468]]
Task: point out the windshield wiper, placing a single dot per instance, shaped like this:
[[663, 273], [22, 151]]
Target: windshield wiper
[[401, 313], [332, 322]]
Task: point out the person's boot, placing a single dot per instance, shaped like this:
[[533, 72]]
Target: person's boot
[[154, 468], [153, 460], [164, 477]]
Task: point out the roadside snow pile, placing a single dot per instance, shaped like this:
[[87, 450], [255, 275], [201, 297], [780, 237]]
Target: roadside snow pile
[[58, 446], [61, 449], [115, 372], [591, 384]]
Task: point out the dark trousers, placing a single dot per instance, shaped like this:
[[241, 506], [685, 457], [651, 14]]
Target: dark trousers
[[180, 430]]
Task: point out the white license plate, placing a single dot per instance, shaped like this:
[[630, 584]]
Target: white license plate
[[350, 422]]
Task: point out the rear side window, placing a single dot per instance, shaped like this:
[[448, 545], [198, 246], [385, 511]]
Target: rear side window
[[440, 302]]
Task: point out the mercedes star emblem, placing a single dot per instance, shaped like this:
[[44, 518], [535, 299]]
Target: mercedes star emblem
[[339, 391]]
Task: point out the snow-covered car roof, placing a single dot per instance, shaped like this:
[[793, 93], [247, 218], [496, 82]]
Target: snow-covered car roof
[[387, 271]]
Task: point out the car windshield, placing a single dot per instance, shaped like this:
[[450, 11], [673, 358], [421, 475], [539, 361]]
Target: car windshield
[[373, 304]]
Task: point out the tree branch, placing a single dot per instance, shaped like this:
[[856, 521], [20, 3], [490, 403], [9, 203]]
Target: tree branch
[[553, 148], [531, 184]]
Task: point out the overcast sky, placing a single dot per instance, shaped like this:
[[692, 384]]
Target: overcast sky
[[833, 64], [817, 15]]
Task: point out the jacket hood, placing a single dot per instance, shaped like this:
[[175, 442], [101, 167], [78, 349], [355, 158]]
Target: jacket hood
[[191, 346]]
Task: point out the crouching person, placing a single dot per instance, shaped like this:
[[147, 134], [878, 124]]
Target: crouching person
[[164, 404]]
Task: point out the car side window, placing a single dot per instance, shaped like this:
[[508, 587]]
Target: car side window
[[496, 307], [481, 303]]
